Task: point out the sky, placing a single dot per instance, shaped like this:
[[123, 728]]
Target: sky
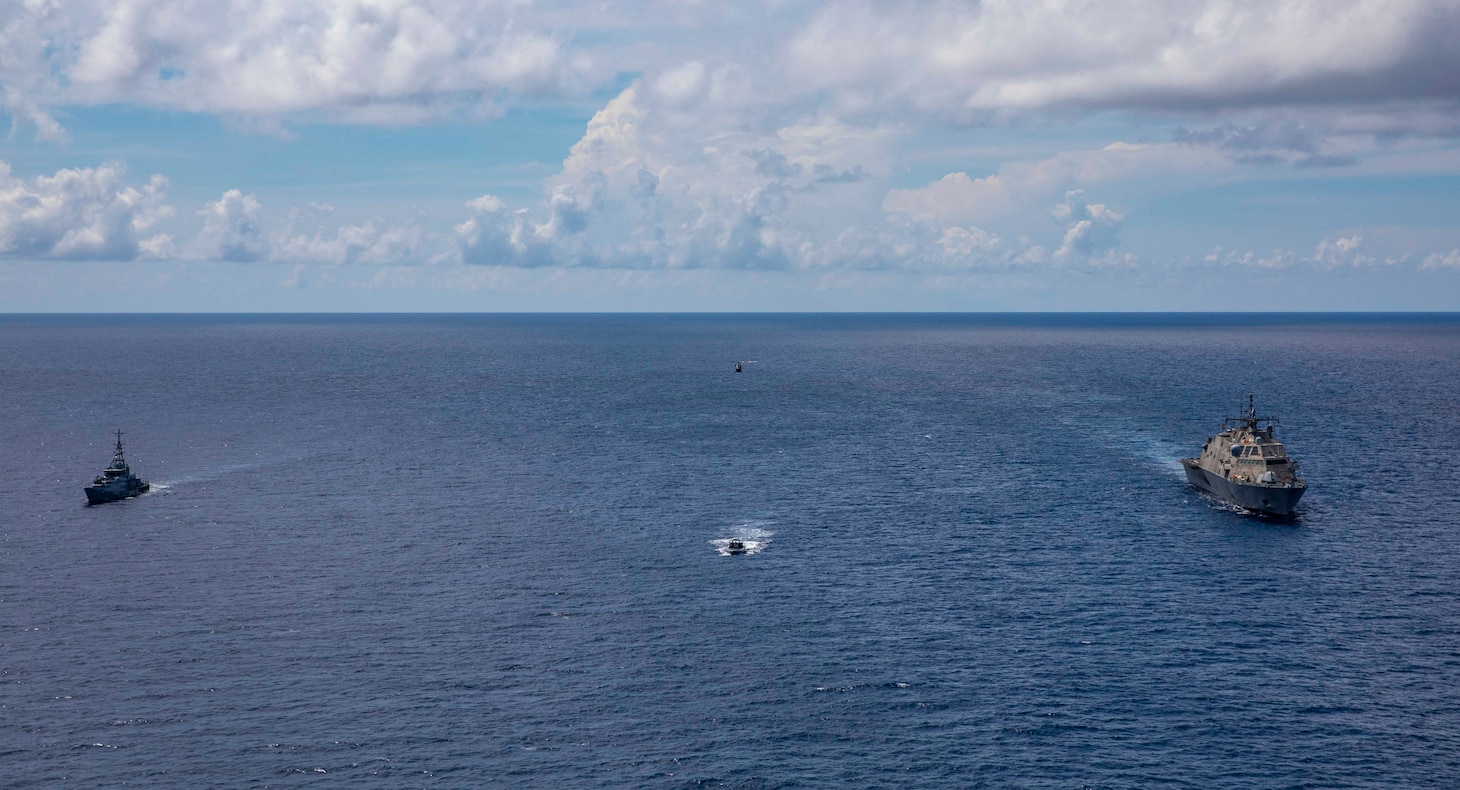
[[680, 155]]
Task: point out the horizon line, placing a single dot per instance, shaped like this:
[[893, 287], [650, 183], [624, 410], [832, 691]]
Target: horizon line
[[1234, 313]]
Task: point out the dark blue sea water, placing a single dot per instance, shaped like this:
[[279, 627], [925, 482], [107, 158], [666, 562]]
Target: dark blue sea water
[[463, 551]]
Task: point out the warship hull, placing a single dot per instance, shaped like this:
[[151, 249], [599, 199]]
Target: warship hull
[[96, 495], [1272, 500]]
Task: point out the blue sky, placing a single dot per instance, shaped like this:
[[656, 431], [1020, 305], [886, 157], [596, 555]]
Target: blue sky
[[179, 155]]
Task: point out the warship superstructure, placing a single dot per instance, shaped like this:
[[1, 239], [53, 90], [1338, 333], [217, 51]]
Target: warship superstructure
[[116, 481], [1245, 465]]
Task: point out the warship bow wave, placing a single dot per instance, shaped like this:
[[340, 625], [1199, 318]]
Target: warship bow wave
[[1246, 466], [116, 481]]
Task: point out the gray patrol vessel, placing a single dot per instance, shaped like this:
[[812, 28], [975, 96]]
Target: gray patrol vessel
[[116, 481], [1247, 467]]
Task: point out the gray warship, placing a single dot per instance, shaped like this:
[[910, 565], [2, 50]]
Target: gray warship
[[116, 481], [1246, 466]]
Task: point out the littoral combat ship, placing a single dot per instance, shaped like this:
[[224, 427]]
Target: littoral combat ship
[[1247, 467], [116, 481]]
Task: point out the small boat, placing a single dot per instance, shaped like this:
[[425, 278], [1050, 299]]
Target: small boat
[[736, 546], [116, 481], [737, 367]]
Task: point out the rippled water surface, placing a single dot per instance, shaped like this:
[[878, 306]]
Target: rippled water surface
[[468, 551]]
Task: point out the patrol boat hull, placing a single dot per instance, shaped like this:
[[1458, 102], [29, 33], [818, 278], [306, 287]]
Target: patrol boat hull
[[96, 495], [1273, 500]]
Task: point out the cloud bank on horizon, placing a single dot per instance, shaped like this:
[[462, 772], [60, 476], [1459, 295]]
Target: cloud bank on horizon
[[777, 136]]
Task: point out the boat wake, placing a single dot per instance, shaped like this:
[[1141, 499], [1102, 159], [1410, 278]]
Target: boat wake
[[1165, 454], [1139, 443], [752, 537], [1217, 503], [207, 476]]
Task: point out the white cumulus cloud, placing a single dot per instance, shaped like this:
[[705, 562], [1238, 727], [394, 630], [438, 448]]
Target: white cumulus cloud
[[402, 61], [651, 185], [957, 58], [374, 61], [232, 230], [373, 241], [1443, 260], [1020, 185], [236, 229], [1328, 254], [1091, 228], [83, 214]]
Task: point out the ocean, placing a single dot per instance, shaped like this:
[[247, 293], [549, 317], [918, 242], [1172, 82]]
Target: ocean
[[490, 550]]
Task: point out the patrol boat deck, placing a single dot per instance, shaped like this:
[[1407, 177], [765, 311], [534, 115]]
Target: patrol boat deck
[[1245, 465]]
